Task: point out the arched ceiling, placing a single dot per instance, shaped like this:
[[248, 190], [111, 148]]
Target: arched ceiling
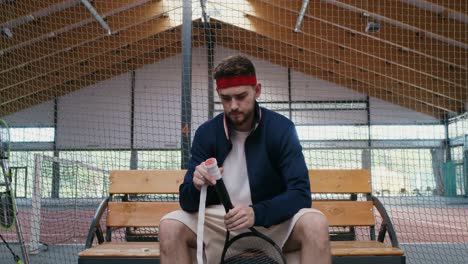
[[418, 59]]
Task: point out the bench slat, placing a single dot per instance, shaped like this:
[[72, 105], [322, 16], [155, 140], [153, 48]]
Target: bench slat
[[123, 249], [340, 181], [151, 249], [145, 181], [138, 214], [346, 213], [148, 214], [363, 248], [168, 181]]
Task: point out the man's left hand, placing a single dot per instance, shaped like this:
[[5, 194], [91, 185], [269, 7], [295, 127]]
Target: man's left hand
[[239, 217]]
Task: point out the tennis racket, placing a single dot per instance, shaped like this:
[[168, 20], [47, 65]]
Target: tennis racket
[[251, 247], [7, 215], [8, 211]]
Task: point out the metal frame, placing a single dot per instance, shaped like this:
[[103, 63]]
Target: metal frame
[[97, 16], [186, 89], [95, 227], [305, 3], [387, 225]]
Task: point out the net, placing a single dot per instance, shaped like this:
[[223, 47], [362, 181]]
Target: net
[[120, 84], [52, 219]]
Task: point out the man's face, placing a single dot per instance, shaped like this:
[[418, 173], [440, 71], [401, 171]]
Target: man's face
[[239, 104]]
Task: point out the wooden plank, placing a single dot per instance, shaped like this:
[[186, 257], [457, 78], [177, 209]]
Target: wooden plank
[[138, 214], [414, 64], [453, 5], [143, 35], [356, 72], [340, 181], [362, 248], [403, 37], [392, 75], [151, 249], [346, 213], [84, 34], [354, 84], [17, 9], [411, 15], [68, 18], [93, 78], [146, 181], [47, 24], [83, 68], [123, 249], [309, 68]]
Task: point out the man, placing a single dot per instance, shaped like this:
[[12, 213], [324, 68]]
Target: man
[[264, 172]]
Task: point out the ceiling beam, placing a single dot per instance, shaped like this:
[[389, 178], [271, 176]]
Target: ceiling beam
[[340, 56], [453, 5], [82, 53], [347, 71], [90, 79], [61, 21], [422, 20], [95, 77], [82, 35], [309, 69], [405, 38], [107, 60], [10, 11], [413, 63]]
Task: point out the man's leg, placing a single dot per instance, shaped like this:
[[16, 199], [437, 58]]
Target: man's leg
[[310, 236], [176, 240]]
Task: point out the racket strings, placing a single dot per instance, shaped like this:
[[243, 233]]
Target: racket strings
[[252, 249]]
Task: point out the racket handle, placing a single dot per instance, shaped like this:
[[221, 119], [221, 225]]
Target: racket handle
[[223, 195], [211, 166]]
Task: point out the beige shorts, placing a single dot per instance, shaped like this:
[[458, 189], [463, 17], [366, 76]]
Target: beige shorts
[[215, 232]]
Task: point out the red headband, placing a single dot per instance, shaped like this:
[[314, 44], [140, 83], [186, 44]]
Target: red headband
[[226, 82]]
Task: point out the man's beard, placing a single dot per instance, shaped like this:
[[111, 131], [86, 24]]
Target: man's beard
[[240, 118]]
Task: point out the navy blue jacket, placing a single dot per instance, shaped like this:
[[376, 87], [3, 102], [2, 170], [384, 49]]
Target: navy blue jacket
[[278, 175]]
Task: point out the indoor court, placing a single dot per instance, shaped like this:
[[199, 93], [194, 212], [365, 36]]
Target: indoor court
[[88, 87]]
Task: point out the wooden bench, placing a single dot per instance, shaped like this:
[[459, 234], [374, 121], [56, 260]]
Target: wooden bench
[[344, 196]]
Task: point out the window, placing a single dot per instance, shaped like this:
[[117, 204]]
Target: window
[[159, 159], [332, 132], [402, 171], [32, 134], [408, 132]]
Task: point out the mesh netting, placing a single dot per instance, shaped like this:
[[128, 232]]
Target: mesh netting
[[102, 85]]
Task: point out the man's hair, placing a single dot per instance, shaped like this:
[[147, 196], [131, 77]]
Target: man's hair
[[234, 66]]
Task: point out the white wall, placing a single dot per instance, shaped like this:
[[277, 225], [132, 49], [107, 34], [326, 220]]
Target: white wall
[[97, 116], [157, 104], [386, 113], [37, 116]]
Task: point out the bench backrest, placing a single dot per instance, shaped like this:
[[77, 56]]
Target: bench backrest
[[147, 214], [142, 213], [344, 212]]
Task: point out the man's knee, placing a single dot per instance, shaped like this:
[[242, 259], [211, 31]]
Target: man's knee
[[174, 231], [313, 227]]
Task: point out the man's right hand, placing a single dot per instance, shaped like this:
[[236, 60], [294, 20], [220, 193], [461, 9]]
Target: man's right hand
[[202, 177]]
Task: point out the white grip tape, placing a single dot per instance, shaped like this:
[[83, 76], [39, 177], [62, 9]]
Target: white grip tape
[[212, 169], [201, 224]]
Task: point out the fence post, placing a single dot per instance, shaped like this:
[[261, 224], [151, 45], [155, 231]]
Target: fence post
[[36, 206]]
